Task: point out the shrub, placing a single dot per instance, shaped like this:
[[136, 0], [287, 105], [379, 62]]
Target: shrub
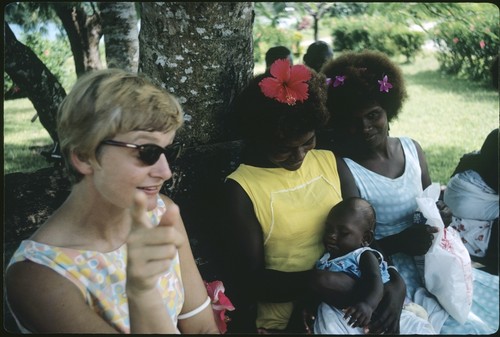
[[466, 49], [53, 53], [267, 36], [374, 32]]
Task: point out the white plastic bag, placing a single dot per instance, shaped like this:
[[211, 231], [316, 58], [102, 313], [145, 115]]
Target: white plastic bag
[[447, 266]]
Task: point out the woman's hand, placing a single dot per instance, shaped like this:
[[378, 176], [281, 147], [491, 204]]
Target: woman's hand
[[416, 240], [445, 212], [150, 249]]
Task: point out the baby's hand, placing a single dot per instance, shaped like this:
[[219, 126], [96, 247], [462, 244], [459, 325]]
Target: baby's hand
[[358, 315], [150, 249]]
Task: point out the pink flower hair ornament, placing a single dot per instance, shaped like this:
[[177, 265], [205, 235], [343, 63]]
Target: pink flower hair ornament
[[384, 84], [339, 80], [220, 303], [287, 84]]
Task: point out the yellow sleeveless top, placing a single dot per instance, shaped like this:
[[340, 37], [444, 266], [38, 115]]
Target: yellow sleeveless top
[[291, 207]]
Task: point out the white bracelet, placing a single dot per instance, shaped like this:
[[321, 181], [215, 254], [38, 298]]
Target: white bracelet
[[392, 267], [195, 311]]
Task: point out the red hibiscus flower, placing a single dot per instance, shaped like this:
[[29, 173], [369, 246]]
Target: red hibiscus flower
[[220, 303], [288, 84]]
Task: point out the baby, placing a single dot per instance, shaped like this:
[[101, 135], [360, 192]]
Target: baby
[[349, 232], [350, 227]]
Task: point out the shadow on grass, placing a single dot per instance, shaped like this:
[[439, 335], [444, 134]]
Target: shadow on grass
[[20, 158], [442, 161], [439, 82]]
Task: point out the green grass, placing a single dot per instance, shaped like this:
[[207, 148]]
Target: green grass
[[23, 140], [448, 117]]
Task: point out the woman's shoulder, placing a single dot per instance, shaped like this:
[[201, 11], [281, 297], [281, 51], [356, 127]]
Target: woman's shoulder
[[324, 154]]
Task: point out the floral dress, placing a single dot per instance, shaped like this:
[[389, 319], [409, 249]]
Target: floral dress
[[101, 277]]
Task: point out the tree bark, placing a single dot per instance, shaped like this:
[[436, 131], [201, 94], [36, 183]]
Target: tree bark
[[84, 32], [35, 79], [203, 54], [121, 35]]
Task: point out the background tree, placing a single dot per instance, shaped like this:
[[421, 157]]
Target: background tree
[[81, 24], [202, 53], [271, 11], [121, 34], [35, 79], [317, 10]]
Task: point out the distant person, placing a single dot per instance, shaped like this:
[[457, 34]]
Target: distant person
[[317, 54], [350, 228], [276, 53], [494, 72], [472, 196]]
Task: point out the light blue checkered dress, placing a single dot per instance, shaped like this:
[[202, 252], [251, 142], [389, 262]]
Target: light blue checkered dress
[[394, 201]]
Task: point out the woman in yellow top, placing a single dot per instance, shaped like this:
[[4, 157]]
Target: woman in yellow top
[[278, 200]]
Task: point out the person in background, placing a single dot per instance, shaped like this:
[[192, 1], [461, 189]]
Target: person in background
[[317, 54], [366, 92], [349, 232], [472, 195], [276, 203], [278, 53], [115, 257]]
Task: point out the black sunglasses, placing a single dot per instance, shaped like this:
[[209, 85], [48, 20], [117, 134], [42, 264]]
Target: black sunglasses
[[150, 153]]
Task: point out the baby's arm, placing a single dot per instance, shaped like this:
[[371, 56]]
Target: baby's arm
[[372, 288]]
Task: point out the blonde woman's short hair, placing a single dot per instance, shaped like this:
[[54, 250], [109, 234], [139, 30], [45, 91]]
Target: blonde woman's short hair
[[104, 103]]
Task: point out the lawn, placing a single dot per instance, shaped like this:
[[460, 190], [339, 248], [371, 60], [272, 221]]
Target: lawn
[[23, 139], [448, 117]]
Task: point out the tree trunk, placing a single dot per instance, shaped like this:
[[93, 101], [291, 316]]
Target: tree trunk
[[84, 33], [316, 26], [35, 79], [203, 54], [121, 35]]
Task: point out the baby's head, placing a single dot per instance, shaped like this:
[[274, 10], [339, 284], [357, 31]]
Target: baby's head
[[350, 225]]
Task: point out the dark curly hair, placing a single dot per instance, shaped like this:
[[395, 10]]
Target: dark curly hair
[[260, 119], [362, 70]]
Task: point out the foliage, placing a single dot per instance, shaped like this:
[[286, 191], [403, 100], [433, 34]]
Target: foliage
[[375, 32], [270, 12], [265, 37], [408, 42], [53, 53], [343, 9], [468, 47]]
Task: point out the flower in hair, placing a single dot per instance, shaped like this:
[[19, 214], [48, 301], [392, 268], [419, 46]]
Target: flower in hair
[[287, 84], [384, 84], [339, 80]]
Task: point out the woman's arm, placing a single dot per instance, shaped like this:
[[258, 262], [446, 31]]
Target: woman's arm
[[246, 252], [426, 178], [335, 288], [347, 183], [194, 289], [46, 302]]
